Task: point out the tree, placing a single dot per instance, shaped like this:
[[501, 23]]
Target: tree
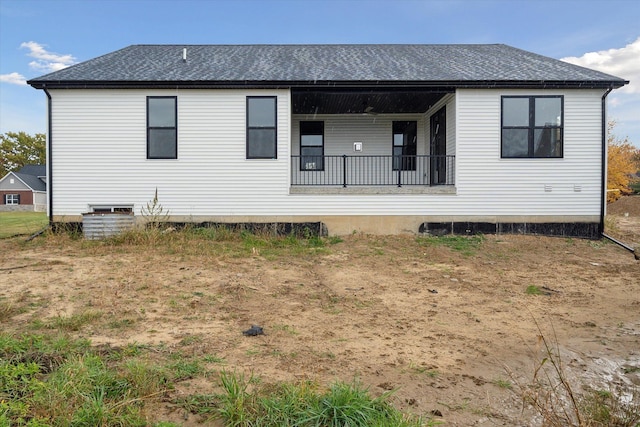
[[623, 161], [19, 149]]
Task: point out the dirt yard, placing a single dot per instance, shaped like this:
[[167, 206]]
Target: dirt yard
[[443, 327]]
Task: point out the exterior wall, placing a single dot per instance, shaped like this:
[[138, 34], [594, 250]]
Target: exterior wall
[[99, 157], [341, 131], [449, 102], [375, 134], [489, 185], [16, 185], [99, 153], [39, 201], [26, 201]]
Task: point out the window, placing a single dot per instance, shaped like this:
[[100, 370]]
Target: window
[[12, 199], [162, 130], [261, 127], [532, 126], [312, 146], [404, 145]]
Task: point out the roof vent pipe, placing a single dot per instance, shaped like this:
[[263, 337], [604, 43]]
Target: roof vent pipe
[[184, 54]]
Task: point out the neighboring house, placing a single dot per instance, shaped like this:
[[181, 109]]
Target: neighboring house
[[375, 138], [25, 190]]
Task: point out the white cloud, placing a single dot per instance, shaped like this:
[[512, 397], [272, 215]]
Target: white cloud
[[13, 78], [47, 61], [623, 63]]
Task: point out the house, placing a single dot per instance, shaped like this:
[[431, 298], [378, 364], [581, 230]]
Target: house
[[372, 138], [25, 190]]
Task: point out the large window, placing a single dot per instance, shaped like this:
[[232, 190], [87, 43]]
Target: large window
[[162, 128], [312, 146], [12, 199], [261, 127], [532, 126], [404, 145]]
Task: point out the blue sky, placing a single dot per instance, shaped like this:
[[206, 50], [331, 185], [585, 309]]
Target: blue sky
[[38, 36]]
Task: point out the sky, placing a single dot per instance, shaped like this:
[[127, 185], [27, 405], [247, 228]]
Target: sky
[[40, 36]]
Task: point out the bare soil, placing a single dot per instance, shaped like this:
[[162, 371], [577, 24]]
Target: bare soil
[[450, 332]]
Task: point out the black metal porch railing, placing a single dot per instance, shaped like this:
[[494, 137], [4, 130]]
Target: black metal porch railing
[[366, 170]]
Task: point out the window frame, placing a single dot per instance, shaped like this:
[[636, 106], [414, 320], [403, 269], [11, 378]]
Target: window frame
[[274, 128], [15, 199], [174, 127], [406, 163], [531, 128], [321, 146]]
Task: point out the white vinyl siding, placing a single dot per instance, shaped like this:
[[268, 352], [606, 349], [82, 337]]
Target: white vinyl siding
[[341, 131], [494, 186], [99, 158], [99, 153]]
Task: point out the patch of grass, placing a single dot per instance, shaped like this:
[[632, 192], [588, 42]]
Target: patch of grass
[[121, 323], [212, 358], [193, 240], [502, 383], [306, 404], [184, 369], [466, 245], [534, 290], [74, 322], [201, 404], [8, 310], [631, 369], [56, 381], [191, 339], [21, 223], [285, 328]]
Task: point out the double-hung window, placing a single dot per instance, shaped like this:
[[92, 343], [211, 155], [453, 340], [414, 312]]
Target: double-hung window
[[261, 127], [162, 127], [12, 199], [532, 126], [312, 146], [404, 145]]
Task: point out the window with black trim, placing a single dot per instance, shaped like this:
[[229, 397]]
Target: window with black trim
[[405, 135], [312, 146], [162, 127], [11, 199], [261, 127], [532, 126]]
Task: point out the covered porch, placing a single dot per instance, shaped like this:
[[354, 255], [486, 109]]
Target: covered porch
[[367, 138]]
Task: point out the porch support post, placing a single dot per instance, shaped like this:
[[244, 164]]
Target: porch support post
[[344, 171]]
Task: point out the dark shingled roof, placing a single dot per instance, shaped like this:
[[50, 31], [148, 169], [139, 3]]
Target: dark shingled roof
[[489, 65], [35, 183], [35, 170]]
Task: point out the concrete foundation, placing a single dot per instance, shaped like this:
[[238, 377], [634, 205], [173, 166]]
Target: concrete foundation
[[574, 226]]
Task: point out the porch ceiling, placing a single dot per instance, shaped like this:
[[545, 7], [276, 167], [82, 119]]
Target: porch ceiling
[[355, 102]]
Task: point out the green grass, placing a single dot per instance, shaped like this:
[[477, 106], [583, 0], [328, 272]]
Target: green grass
[[53, 380], [466, 245], [18, 223], [534, 290], [306, 404], [194, 240]]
